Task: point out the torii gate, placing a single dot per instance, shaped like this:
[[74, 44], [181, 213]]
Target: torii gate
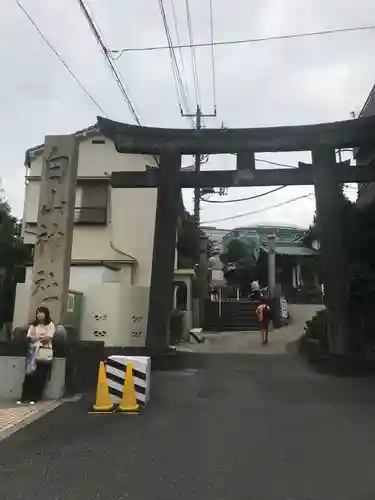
[[325, 174]]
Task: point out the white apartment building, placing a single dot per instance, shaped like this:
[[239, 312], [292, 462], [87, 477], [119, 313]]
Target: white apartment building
[[112, 242]]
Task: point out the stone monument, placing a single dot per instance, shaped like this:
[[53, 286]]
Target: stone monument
[[54, 235]]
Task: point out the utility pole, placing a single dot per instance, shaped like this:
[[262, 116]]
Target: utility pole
[[198, 115], [202, 268]]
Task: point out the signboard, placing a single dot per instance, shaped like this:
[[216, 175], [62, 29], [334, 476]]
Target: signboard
[[283, 308]]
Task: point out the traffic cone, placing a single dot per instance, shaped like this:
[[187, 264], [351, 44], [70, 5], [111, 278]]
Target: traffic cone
[[103, 403], [129, 399]]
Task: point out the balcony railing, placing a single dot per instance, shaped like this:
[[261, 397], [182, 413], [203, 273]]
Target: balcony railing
[[90, 215]]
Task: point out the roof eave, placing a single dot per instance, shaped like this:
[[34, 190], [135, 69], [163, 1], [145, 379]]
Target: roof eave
[[36, 151]]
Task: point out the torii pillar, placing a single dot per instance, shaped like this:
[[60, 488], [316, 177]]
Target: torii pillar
[[167, 209], [331, 227]]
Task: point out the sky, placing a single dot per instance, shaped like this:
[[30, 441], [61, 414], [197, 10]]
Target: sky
[[285, 82]]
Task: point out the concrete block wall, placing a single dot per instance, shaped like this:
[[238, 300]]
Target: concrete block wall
[[12, 373]]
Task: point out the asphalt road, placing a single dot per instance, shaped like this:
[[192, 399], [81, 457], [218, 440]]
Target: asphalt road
[[244, 427]]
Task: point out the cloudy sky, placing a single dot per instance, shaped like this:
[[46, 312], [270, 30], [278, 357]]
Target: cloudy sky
[[288, 82]]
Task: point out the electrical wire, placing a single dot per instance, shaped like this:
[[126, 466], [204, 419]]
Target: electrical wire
[[115, 72], [248, 198], [212, 53], [117, 75], [182, 95], [192, 50], [120, 52], [270, 207], [175, 22], [49, 44], [269, 162]]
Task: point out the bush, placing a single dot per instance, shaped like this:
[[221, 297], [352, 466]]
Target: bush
[[314, 341]]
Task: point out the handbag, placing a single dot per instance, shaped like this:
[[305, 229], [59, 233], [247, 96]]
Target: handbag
[[44, 355], [31, 360]]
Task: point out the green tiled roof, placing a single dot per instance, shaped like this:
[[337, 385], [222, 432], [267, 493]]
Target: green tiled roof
[[293, 250]]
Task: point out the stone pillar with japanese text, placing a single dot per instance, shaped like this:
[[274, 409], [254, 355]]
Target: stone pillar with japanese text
[[55, 223]]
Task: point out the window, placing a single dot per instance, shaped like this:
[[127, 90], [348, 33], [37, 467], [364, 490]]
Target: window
[[91, 202]]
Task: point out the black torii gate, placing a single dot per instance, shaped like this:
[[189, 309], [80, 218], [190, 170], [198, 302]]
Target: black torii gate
[[325, 174]]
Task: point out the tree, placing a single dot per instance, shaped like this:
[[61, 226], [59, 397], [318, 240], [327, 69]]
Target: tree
[[358, 226], [236, 250], [211, 251], [239, 261], [188, 242], [13, 258]]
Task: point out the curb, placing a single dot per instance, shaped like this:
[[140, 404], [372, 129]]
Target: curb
[[35, 416]]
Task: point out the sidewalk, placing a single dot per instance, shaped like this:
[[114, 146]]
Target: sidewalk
[[13, 417]]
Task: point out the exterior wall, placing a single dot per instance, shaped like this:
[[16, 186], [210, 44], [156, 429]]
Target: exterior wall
[[128, 210], [107, 304], [133, 225]]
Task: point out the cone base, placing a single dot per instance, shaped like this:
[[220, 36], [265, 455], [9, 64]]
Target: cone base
[[133, 411], [100, 412], [104, 409]]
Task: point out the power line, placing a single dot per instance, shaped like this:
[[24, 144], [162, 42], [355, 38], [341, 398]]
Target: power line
[[115, 72], [247, 40], [212, 53], [270, 207], [180, 50], [192, 50], [180, 91], [275, 163], [269, 162], [49, 44], [117, 75], [248, 198]]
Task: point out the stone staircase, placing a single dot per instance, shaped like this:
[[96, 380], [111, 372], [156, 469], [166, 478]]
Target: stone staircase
[[236, 315]]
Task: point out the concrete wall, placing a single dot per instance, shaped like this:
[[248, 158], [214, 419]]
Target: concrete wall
[[114, 311], [12, 373]]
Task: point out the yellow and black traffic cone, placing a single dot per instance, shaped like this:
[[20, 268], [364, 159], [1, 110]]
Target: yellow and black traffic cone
[[129, 399], [103, 403]]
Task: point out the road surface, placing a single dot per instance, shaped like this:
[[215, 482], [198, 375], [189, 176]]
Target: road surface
[[241, 427]]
